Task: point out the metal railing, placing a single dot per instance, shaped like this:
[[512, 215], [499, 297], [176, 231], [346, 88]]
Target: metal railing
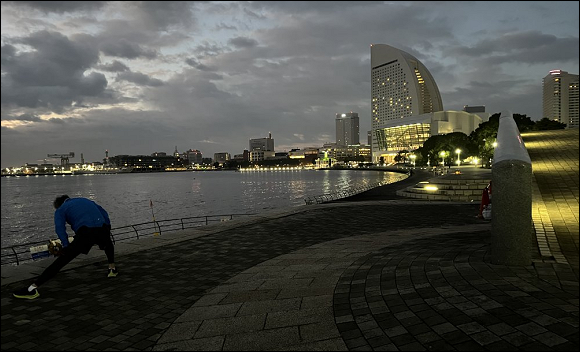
[[329, 197], [18, 254]]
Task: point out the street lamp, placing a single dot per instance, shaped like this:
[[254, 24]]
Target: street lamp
[[413, 156], [458, 151], [442, 155]]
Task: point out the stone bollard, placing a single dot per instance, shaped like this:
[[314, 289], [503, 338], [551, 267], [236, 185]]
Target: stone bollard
[[511, 212]]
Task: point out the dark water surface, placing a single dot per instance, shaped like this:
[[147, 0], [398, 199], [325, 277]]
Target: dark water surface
[[27, 211]]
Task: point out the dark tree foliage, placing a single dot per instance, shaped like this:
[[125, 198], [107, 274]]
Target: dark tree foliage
[[547, 124]]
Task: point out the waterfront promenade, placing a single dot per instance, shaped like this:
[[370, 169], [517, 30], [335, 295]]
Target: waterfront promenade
[[378, 272]]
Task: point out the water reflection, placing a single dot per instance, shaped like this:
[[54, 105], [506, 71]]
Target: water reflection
[[27, 212]]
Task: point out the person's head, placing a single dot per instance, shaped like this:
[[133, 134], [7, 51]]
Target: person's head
[[59, 200]]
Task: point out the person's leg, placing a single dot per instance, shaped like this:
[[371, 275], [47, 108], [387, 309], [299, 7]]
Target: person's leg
[[69, 253]]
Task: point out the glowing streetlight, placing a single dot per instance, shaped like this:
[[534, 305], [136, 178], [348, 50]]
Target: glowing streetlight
[[413, 157], [458, 151], [442, 155]]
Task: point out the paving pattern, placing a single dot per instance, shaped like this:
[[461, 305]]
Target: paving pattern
[[555, 165], [384, 274]]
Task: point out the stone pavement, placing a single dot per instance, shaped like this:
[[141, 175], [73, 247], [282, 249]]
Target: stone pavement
[[386, 274]]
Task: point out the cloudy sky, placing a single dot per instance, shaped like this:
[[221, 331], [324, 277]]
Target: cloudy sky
[[144, 77]]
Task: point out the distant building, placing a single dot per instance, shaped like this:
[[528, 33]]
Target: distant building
[[357, 152], [146, 163], [401, 87], [478, 110], [221, 158], [194, 156], [347, 128], [264, 144], [159, 154], [260, 155], [307, 155], [560, 97]]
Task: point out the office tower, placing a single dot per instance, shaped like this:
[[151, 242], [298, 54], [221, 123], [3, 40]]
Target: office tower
[[264, 144], [401, 87], [560, 97], [347, 129]]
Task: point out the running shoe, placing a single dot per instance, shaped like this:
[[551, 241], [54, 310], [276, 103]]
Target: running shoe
[[113, 273], [25, 294]]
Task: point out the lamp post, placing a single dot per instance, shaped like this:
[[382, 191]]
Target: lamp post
[[442, 155], [458, 151]]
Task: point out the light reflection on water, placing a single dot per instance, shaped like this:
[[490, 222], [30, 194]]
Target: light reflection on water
[[27, 212]]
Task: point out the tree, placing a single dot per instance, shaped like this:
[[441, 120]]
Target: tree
[[547, 124]]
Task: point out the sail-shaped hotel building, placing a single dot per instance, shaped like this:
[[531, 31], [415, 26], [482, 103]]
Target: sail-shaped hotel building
[[402, 88]]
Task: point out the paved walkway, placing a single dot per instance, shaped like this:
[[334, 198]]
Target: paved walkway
[[386, 274]]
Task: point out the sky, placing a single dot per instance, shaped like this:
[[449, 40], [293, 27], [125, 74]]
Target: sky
[[143, 77]]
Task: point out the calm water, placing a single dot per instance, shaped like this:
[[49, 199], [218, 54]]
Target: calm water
[[27, 211]]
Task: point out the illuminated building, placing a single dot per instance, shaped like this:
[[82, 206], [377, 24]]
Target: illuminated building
[[410, 133], [221, 158], [401, 88], [347, 128], [194, 156], [560, 97]]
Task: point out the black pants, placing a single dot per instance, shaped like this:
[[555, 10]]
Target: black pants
[[85, 238]]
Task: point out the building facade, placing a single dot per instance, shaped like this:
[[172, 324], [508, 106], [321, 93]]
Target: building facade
[[347, 128], [560, 97], [263, 144], [194, 156], [410, 133], [221, 158], [401, 87]]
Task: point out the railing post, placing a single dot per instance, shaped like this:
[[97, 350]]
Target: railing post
[[511, 211], [16, 255], [136, 232]]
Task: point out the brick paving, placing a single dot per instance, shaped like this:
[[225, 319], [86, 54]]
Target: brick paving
[[386, 274]]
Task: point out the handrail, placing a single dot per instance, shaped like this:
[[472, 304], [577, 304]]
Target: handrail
[[17, 254]]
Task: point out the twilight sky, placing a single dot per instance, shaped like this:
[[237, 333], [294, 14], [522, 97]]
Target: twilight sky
[[143, 77]]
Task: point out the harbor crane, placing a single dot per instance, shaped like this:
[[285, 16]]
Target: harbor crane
[[63, 158]]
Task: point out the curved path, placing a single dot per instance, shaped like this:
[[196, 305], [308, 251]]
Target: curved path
[[384, 275]]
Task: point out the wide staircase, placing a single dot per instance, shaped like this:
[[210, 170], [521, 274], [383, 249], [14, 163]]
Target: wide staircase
[[459, 184]]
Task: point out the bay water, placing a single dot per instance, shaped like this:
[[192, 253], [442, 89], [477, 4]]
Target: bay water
[[28, 213]]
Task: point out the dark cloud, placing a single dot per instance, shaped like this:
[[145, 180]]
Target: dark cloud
[[194, 63], [243, 42], [58, 6], [115, 66], [218, 74], [23, 117], [52, 75], [126, 49], [164, 14], [139, 78], [529, 46]]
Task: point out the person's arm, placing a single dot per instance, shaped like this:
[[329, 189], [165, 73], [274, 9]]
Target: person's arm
[[105, 214], [60, 227]]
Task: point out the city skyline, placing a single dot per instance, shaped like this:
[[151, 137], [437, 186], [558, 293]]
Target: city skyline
[[138, 78]]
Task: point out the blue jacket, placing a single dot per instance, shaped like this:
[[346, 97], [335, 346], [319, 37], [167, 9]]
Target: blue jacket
[[78, 212]]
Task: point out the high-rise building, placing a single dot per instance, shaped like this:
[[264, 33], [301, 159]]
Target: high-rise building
[[347, 129], [560, 97], [264, 144], [401, 87]]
